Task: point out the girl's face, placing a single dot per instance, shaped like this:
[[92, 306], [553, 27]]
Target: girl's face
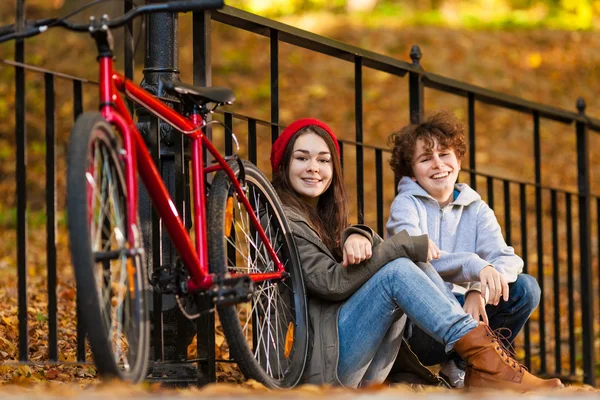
[[311, 167], [436, 171]]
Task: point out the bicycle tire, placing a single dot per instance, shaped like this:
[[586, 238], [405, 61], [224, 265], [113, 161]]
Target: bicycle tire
[[274, 354], [111, 293]]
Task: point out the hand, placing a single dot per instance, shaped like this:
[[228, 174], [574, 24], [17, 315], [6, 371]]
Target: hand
[[433, 252], [475, 305], [495, 283], [357, 248]]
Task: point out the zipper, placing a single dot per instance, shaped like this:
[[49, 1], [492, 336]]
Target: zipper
[[440, 229]]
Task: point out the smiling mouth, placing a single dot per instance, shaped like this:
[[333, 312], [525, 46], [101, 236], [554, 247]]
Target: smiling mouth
[[311, 180], [440, 175]]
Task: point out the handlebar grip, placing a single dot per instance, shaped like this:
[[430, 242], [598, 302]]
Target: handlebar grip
[[194, 5]]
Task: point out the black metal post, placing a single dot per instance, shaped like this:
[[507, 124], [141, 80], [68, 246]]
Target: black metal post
[[570, 285], [587, 303], [77, 110], [415, 96], [507, 209], [379, 188], [358, 111], [556, 284], [274, 37], [205, 325], [490, 191], [21, 176], [252, 145], [415, 88], [51, 216], [524, 255], [128, 50], [171, 330], [539, 229], [472, 160]]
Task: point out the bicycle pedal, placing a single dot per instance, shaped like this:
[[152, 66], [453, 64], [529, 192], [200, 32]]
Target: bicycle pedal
[[231, 291]]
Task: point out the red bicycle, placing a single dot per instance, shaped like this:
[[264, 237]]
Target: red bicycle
[[246, 263]]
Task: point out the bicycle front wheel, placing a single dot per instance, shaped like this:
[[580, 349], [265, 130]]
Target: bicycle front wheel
[[268, 335], [109, 267]]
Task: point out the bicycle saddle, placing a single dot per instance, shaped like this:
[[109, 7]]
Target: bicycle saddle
[[201, 95]]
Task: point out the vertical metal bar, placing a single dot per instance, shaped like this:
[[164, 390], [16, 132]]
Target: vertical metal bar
[[540, 238], [274, 84], [77, 110], [598, 241], [228, 122], [556, 283], [415, 88], [51, 216], [205, 325], [416, 95], [77, 99], [472, 147], [507, 219], [490, 191], [21, 176], [129, 50], [585, 249], [379, 188], [572, 351], [358, 109], [523, 206], [252, 142]]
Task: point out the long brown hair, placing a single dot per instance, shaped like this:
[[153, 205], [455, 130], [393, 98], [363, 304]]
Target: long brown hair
[[330, 217]]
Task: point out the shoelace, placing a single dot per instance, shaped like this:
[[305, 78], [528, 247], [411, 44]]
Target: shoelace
[[502, 344]]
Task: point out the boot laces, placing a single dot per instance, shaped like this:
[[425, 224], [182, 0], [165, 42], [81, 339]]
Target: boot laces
[[507, 351]]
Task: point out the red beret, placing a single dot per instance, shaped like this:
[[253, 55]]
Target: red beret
[[281, 143]]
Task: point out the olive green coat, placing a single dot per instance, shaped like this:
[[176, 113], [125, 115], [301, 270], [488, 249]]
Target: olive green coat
[[329, 284]]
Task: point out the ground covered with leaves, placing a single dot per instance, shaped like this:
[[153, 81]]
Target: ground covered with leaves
[[551, 67]]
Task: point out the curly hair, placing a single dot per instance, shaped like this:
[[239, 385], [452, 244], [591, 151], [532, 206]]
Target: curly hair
[[442, 127]]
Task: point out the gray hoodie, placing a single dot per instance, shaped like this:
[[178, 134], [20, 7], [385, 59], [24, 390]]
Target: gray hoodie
[[466, 232]]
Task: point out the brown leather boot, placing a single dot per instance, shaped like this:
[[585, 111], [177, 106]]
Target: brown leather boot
[[490, 366]]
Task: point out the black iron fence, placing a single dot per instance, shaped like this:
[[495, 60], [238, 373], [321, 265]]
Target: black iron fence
[[574, 215]]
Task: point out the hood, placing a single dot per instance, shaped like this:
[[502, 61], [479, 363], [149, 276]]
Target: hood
[[408, 187]]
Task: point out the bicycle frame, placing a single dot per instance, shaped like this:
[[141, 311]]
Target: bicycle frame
[[137, 157]]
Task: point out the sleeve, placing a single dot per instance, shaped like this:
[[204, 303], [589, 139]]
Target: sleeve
[[361, 230], [403, 217], [491, 246], [326, 278], [490, 249]]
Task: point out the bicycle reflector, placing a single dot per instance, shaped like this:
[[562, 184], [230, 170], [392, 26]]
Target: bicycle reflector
[[228, 216], [289, 340], [131, 276]]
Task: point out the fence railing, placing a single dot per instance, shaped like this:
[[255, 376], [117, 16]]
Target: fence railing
[[571, 212]]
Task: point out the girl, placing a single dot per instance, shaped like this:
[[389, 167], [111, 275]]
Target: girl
[[360, 286]]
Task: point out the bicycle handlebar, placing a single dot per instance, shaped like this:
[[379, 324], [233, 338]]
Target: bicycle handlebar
[[36, 27]]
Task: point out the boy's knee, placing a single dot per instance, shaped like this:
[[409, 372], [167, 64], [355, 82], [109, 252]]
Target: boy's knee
[[527, 290]]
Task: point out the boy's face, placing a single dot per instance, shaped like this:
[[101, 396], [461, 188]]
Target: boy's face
[[435, 170]]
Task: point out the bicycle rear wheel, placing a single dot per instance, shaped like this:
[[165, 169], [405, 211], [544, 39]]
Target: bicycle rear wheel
[[109, 268], [267, 336]]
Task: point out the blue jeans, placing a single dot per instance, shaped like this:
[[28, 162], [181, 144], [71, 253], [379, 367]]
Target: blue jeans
[[524, 297], [370, 323]]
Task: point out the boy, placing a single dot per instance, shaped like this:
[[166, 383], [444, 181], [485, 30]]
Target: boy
[[466, 244]]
